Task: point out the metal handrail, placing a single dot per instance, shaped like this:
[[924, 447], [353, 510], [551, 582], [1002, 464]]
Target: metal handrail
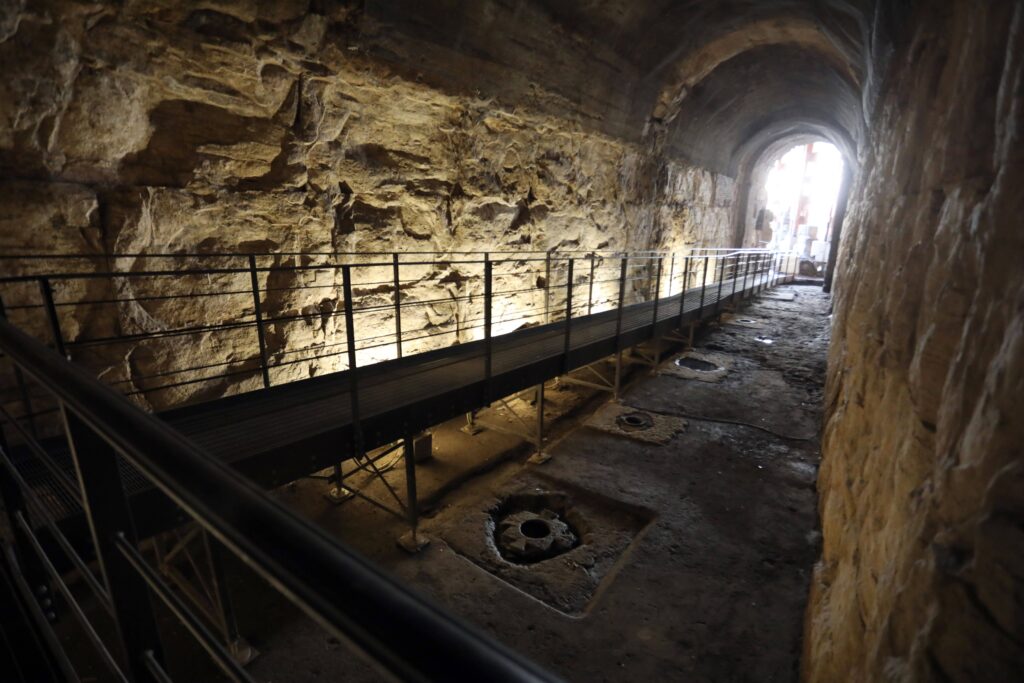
[[408, 635], [535, 255], [677, 266]]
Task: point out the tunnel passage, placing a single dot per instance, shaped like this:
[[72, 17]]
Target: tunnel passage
[[133, 131]]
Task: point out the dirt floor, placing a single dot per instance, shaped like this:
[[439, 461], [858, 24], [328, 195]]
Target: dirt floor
[[686, 538]]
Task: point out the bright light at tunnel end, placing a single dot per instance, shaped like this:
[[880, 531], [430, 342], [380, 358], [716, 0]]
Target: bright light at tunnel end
[[801, 190]]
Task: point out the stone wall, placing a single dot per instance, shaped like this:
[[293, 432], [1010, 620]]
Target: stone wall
[[161, 127], [922, 479]]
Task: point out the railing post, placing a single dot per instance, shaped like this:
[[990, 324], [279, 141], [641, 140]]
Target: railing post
[[703, 287], [671, 274], [109, 515], [590, 293], [746, 272], [682, 292], [654, 325], [540, 456], [398, 304], [350, 341], [721, 283], [488, 343], [735, 278], [51, 315], [566, 366], [618, 326], [547, 288], [657, 295], [257, 307]]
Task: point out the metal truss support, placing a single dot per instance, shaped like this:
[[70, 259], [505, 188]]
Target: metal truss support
[[344, 489], [602, 383], [193, 562], [532, 433]]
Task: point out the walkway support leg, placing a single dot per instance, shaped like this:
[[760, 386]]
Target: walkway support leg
[[338, 493], [541, 456], [411, 541]]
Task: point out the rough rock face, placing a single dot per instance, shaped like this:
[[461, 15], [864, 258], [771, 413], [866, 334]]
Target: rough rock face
[[149, 127], [922, 481]]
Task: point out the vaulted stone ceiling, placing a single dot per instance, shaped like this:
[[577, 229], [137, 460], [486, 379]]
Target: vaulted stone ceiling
[[764, 91], [723, 79]]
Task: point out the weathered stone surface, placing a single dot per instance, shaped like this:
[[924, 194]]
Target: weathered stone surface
[[921, 482], [258, 128]]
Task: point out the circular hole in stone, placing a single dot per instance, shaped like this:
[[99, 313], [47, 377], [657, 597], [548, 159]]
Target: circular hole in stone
[[535, 528], [696, 364], [634, 421]]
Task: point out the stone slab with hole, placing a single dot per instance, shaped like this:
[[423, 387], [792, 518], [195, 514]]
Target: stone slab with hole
[[702, 366], [622, 420], [588, 533]]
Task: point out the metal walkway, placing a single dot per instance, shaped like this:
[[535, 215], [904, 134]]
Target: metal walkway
[[280, 433]]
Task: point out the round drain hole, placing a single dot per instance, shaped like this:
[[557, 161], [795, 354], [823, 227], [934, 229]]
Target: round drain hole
[[535, 528], [745, 320], [634, 421], [696, 364]]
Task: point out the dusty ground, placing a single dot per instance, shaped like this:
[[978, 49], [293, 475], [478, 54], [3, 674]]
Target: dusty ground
[[693, 558]]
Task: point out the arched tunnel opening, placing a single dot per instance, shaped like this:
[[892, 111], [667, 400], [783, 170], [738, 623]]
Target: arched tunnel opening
[[511, 340]]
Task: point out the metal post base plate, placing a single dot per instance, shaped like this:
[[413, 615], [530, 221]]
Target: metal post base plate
[[338, 494], [412, 542], [242, 652], [539, 458]]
